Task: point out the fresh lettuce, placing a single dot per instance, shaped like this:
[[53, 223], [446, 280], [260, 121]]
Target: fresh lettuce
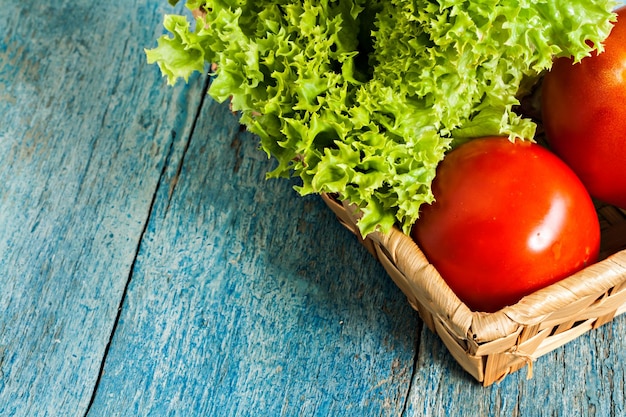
[[363, 98]]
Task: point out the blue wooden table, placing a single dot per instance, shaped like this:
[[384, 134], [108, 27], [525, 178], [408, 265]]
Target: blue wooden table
[[147, 268]]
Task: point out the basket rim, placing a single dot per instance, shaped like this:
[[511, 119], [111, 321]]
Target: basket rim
[[532, 308], [483, 327]]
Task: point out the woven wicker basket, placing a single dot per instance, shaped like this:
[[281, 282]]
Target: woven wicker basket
[[492, 345]]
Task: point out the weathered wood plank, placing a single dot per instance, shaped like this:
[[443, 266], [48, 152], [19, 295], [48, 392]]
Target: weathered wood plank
[[249, 300], [85, 130]]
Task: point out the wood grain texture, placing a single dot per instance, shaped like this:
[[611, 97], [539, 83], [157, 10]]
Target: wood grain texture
[[256, 305], [147, 268], [85, 130]]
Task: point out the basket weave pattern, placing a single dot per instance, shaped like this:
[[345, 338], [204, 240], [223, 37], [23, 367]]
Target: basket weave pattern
[[492, 345]]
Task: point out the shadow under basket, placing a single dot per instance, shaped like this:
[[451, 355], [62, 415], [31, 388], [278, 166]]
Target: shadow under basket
[[490, 346]]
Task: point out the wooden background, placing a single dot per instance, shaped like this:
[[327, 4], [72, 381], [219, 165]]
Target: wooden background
[[147, 268]]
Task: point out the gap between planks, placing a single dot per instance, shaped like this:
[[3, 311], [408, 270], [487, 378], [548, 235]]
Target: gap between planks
[[418, 341], [160, 184]]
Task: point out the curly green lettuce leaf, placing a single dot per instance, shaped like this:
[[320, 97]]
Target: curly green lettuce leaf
[[181, 55], [364, 98]]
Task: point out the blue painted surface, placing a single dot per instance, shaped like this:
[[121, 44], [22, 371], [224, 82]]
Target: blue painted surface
[[148, 268]]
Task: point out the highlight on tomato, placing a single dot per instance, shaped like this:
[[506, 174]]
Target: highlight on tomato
[[584, 116], [509, 218]]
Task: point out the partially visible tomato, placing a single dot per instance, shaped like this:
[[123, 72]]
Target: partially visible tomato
[[509, 219], [584, 114]]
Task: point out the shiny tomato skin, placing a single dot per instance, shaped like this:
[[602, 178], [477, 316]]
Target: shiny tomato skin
[[584, 115], [509, 219]]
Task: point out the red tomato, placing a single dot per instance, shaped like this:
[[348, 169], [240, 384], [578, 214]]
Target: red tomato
[[584, 114], [509, 219]]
